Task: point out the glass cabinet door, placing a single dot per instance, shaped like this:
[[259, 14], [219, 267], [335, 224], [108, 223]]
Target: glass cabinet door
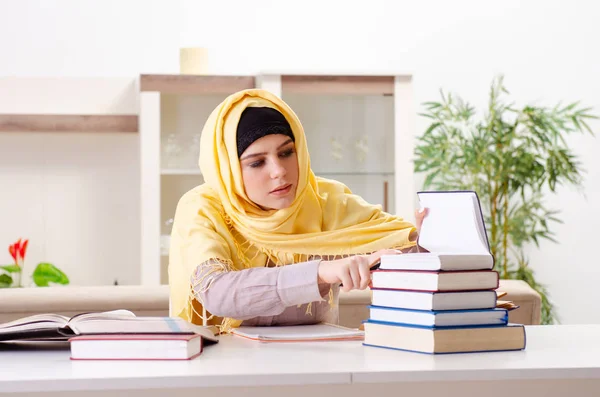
[[182, 120], [351, 139]]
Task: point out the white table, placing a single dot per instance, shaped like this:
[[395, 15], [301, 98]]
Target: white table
[[559, 361]]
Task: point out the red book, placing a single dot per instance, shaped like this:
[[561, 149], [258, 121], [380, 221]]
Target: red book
[[136, 347]]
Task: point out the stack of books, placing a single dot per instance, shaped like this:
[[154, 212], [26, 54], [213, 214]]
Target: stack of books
[[443, 301]]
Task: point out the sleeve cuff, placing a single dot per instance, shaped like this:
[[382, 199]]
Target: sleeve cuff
[[297, 283]]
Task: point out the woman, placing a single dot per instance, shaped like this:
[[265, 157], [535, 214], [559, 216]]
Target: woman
[[262, 208]]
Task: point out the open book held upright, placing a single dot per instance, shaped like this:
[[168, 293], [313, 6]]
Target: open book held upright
[[453, 232]]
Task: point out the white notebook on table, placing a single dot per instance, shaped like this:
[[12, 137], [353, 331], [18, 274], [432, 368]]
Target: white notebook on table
[[299, 333]]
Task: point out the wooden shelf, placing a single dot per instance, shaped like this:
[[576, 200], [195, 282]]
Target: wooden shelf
[[191, 84], [331, 84], [67, 123], [355, 173]]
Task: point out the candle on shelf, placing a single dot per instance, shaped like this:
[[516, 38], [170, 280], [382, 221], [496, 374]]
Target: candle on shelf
[[193, 60]]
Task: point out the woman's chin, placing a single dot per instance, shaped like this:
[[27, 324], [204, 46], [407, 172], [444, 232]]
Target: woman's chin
[[280, 201], [278, 204]]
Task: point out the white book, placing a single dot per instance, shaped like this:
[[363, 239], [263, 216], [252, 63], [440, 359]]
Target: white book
[[136, 347], [436, 281], [421, 300], [434, 319], [434, 261], [453, 232]]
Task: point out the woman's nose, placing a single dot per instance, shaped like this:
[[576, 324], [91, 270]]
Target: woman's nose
[[278, 170]]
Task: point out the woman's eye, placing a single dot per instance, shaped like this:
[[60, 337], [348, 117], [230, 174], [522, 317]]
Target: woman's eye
[[256, 164], [287, 153]]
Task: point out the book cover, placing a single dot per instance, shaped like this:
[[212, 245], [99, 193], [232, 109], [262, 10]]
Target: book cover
[[434, 281], [136, 347], [425, 300], [471, 339], [440, 318]]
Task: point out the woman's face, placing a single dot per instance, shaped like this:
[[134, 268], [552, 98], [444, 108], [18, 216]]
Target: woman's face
[[270, 171]]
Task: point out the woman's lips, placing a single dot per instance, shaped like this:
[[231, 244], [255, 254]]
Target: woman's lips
[[282, 191]]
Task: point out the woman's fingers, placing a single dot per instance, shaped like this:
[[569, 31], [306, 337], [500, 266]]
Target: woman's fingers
[[375, 257], [354, 271], [344, 276], [419, 216], [365, 275]]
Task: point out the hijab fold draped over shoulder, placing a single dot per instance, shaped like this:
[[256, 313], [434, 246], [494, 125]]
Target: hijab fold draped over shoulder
[[216, 222]]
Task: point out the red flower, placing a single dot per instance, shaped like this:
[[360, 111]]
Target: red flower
[[23, 249], [18, 251], [12, 249]]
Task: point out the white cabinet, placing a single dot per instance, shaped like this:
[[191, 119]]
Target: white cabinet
[[173, 110], [359, 131]]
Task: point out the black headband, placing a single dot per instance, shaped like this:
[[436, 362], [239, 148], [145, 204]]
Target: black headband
[[256, 123]]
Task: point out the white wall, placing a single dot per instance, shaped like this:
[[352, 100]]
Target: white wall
[[546, 49], [74, 196]]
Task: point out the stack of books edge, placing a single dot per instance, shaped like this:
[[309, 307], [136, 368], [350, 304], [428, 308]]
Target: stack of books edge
[[439, 304]]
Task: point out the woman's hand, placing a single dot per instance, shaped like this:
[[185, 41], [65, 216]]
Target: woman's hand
[[353, 272], [419, 216]]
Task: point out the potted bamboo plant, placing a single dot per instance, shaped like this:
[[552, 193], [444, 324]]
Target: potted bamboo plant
[[511, 156]]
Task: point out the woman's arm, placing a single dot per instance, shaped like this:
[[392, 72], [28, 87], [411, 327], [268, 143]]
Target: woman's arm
[[264, 291]]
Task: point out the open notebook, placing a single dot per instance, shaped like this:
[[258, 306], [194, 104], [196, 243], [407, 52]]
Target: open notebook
[[299, 333]]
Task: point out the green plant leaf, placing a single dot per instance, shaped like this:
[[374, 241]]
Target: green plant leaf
[[11, 268], [5, 280], [46, 273]]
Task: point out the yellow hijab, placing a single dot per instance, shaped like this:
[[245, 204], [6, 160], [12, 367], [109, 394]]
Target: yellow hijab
[[217, 220]]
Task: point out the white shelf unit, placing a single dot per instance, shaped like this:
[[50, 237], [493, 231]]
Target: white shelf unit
[[374, 111], [342, 113], [176, 105]]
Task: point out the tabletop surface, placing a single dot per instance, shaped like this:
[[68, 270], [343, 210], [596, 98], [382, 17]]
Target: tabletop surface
[[552, 352]]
